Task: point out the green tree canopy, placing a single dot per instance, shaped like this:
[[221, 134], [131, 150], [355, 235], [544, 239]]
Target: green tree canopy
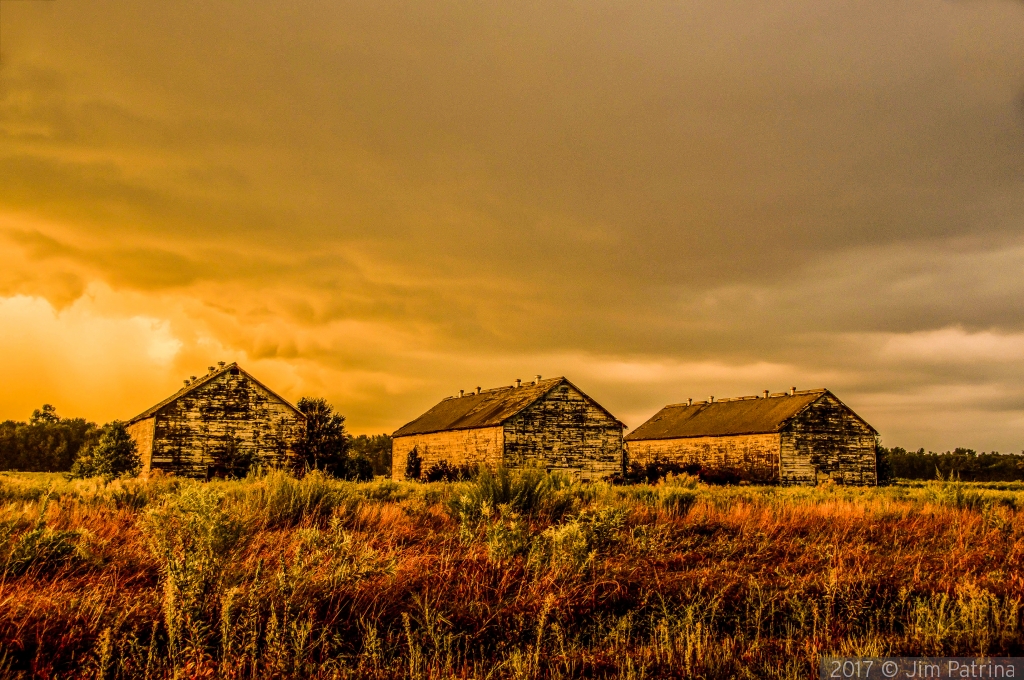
[[114, 455], [324, 443]]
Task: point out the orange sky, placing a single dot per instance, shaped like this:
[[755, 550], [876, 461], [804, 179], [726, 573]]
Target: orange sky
[[382, 203]]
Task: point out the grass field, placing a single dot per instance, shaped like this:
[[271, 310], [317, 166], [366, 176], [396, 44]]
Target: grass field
[[508, 576]]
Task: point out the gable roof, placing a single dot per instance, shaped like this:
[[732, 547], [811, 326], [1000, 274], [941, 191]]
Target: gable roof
[[205, 380], [746, 415], [489, 408]]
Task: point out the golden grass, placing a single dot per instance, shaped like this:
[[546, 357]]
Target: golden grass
[[509, 577]]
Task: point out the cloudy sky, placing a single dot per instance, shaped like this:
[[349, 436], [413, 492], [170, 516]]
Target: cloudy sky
[[382, 203]]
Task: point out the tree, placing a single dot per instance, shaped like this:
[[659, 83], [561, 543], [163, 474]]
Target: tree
[[376, 449], [47, 443], [324, 443], [114, 455], [413, 465], [47, 415]]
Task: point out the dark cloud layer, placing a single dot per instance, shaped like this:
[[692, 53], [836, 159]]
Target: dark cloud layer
[[410, 195]]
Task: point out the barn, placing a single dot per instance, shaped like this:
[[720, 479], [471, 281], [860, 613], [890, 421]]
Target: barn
[[549, 424], [217, 424], [799, 437]]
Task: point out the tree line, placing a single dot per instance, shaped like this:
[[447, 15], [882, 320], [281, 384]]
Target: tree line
[[49, 443], [966, 464]]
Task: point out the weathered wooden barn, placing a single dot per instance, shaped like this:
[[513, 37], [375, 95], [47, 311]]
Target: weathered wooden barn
[[789, 438], [216, 424], [550, 424]]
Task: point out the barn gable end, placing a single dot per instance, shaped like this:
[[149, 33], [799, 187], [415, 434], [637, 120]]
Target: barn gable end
[[827, 440], [549, 423], [568, 431], [796, 438], [217, 422]]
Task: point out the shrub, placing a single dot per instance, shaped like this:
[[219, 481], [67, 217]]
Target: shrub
[[654, 471], [413, 463], [114, 455], [443, 472]]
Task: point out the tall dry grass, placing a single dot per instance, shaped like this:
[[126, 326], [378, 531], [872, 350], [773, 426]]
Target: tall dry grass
[[508, 576]]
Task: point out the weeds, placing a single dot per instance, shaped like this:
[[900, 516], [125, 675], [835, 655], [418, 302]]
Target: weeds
[[503, 576], [41, 546]]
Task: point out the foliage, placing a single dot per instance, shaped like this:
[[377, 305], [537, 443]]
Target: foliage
[[39, 546], [114, 455], [444, 472], [376, 449], [525, 492], [359, 469], [522, 575], [413, 465], [193, 538], [46, 443], [232, 459], [966, 464], [653, 471], [324, 443]]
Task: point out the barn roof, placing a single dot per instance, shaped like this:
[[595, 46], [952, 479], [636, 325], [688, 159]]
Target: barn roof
[[489, 408], [204, 380], [746, 415]]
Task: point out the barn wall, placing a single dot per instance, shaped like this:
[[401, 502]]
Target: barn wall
[[754, 457], [827, 441], [141, 433], [231, 416], [565, 431], [456, 447]]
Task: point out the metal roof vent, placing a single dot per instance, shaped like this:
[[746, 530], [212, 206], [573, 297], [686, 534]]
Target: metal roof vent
[[462, 392], [192, 378], [221, 364], [711, 399], [187, 382], [519, 383], [689, 402], [479, 389], [536, 379], [792, 391], [766, 394]]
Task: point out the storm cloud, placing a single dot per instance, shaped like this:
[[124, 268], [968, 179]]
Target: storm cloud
[[383, 203]]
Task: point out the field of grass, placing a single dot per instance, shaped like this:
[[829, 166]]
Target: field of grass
[[507, 576]]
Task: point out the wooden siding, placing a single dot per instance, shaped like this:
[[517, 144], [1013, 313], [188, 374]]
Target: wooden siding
[[754, 457], [565, 431], [142, 433], [456, 447], [230, 415], [826, 440]]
